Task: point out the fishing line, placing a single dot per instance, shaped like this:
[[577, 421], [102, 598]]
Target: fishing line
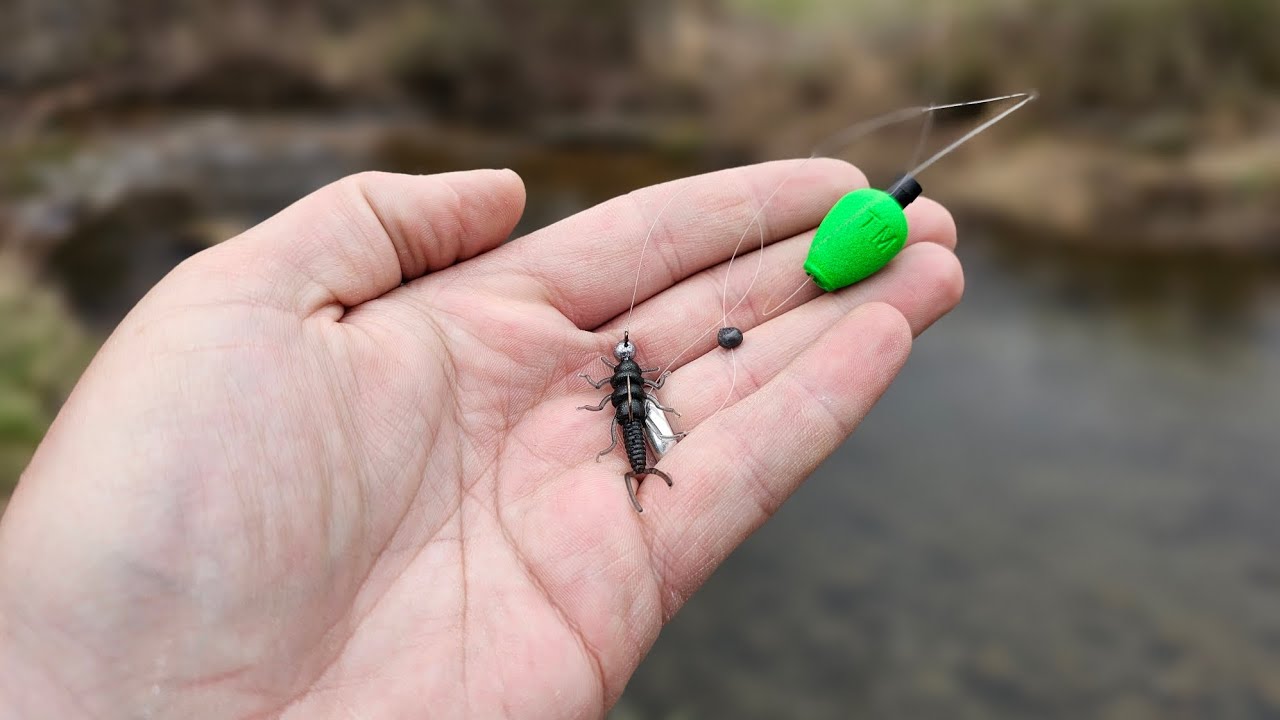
[[925, 127], [733, 381], [1023, 98], [859, 235], [635, 290], [1026, 97], [837, 142]]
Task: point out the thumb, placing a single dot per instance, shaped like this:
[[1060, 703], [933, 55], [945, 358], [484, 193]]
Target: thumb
[[364, 235]]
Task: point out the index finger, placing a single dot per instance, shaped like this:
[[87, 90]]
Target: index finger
[[586, 266]]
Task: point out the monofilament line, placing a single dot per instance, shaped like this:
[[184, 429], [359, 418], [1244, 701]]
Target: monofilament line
[[755, 220], [898, 116], [635, 289], [837, 142], [925, 127], [852, 134], [1026, 97]]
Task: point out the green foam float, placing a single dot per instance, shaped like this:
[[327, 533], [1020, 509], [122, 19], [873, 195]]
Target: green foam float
[[860, 235]]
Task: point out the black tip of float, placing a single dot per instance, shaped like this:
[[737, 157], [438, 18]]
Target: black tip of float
[[905, 190]]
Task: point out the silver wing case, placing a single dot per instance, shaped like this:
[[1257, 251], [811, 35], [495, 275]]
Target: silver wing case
[[657, 428]]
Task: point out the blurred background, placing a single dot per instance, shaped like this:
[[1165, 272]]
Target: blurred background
[[1066, 507]]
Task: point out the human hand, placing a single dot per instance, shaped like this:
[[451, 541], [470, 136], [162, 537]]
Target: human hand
[[290, 485]]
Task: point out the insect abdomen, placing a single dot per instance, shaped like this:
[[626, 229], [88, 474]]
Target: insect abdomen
[[633, 441]]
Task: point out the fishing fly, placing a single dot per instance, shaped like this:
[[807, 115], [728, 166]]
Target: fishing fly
[[857, 238], [636, 411]]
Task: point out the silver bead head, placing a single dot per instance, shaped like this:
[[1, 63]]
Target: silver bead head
[[625, 350]]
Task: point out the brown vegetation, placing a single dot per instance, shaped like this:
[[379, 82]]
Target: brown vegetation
[[1157, 128]]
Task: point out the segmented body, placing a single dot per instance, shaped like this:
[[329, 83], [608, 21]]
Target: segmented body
[[630, 402], [633, 442], [632, 405]]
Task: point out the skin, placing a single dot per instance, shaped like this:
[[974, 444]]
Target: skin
[[332, 468]]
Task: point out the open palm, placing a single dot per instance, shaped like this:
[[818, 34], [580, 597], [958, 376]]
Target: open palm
[[333, 467]]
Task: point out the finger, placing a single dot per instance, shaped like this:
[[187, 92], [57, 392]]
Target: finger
[[924, 283], [929, 221], [364, 235], [745, 461], [586, 266], [679, 324]]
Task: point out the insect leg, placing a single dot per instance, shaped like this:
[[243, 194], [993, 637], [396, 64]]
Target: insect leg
[[599, 407], [663, 408], [613, 441], [594, 384], [656, 427], [608, 364], [662, 379]]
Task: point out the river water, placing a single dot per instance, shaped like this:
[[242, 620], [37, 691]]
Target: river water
[[1065, 507]]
